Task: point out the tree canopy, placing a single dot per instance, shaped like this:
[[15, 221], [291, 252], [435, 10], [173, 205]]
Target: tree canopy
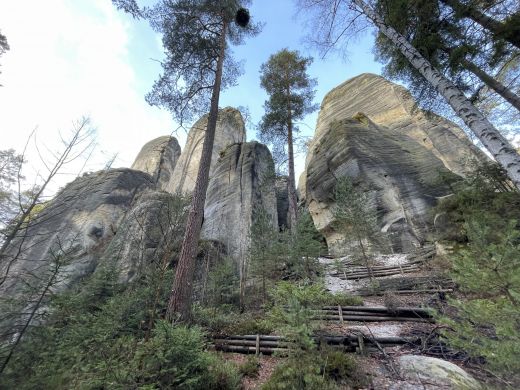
[[475, 59], [291, 91]]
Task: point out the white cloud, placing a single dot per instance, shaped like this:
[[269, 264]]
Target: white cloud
[[65, 62]]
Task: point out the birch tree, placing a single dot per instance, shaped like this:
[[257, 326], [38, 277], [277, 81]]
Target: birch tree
[[468, 55], [508, 30], [498, 146]]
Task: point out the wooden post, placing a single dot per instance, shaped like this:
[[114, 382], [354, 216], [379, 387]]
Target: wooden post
[[340, 311], [361, 344], [257, 344]]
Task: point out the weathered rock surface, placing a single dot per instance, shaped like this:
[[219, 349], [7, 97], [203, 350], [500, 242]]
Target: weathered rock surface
[[152, 227], [370, 130], [392, 106], [398, 174], [282, 201], [424, 372], [158, 158], [239, 186], [75, 228], [230, 130]]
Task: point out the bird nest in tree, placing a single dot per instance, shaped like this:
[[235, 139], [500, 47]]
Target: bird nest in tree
[[242, 17]]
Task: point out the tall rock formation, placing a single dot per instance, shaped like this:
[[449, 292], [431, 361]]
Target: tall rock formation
[[74, 228], [158, 158], [391, 105], [230, 130], [371, 130], [153, 227], [240, 184]]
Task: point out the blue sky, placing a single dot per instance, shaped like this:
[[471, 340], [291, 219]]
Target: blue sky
[[70, 58]]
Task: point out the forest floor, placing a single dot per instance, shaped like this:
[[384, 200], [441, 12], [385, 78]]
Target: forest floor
[[382, 364]]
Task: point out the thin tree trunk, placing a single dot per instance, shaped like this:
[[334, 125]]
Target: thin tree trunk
[[493, 83], [31, 316], [291, 184], [180, 298], [495, 143], [499, 29]]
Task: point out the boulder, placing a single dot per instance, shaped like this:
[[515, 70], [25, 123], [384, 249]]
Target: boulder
[[73, 229], [158, 158], [398, 174], [240, 184], [432, 373], [230, 130]]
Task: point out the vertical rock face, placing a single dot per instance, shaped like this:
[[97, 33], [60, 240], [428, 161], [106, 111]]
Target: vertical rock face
[[158, 158], [390, 105], [239, 185], [282, 201], [153, 226], [370, 130], [398, 174], [75, 227], [230, 130]]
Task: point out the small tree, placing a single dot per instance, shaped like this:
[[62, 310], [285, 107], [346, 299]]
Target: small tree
[[304, 244], [265, 251], [291, 91], [80, 143], [487, 320], [354, 217]]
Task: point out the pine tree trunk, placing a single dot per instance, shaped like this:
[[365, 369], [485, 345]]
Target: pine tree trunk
[[179, 306], [499, 29], [493, 83], [291, 184], [495, 143]]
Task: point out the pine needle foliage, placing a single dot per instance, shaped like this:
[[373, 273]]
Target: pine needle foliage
[[355, 217], [99, 337], [485, 266], [191, 31]]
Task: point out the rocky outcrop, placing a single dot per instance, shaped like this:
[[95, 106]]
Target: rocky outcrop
[[399, 175], [230, 130], [158, 158], [370, 130], [392, 106], [74, 228], [282, 201], [240, 184], [153, 227]]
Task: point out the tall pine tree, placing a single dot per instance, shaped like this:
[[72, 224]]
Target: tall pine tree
[[196, 37], [291, 91]]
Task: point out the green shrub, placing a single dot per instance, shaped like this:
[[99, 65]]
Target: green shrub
[[343, 368], [250, 367], [311, 295], [223, 284], [302, 373], [487, 272], [249, 325], [173, 357], [485, 210], [216, 319]]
